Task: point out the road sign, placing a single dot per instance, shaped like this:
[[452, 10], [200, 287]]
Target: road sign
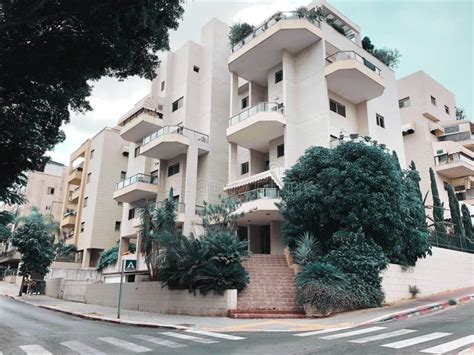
[[130, 265]]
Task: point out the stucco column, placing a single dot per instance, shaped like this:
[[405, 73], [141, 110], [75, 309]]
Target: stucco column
[[86, 258], [234, 94], [232, 162], [190, 187]]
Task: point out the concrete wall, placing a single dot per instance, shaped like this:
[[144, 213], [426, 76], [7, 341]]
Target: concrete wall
[[444, 270], [74, 274], [151, 297]]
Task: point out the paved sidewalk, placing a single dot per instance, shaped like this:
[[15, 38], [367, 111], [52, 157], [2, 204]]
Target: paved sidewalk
[[224, 324]]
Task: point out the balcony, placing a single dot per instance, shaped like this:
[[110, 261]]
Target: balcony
[[171, 141], [353, 77], [69, 220], [74, 197], [454, 165], [135, 188], [256, 126], [140, 124], [75, 176], [259, 205], [262, 49]]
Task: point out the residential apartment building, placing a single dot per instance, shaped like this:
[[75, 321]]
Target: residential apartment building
[[177, 135], [433, 138], [90, 217], [297, 83]]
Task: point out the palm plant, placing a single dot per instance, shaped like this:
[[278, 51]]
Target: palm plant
[[307, 249]]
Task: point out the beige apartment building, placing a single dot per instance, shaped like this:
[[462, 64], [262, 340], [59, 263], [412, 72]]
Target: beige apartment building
[[91, 218], [433, 138], [297, 83], [177, 136]]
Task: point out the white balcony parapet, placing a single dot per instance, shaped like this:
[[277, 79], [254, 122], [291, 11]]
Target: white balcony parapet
[[260, 107], [257, 194], [147, 179], [176, 130], [347, 55], [135, 188]]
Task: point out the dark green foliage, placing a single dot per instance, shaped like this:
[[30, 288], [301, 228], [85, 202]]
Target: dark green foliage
[[390, 57], [414, 290], [220, 216], [367, 44], [460, 113], [467, 222], [64, 252], [456, 215], [6, 218], [438, 210], [307, 249], [415, 176], [337, 27], [50, 52], [238, 32], [108, 257]]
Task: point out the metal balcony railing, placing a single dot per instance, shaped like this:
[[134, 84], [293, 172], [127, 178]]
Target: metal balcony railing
[[257, 194], [147, 179], [446, 159], [176, 130], [279, 16], [346, 55], [260, 107], [143, 110]]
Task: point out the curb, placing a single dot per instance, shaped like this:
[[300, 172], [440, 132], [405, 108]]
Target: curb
[[412, 312]]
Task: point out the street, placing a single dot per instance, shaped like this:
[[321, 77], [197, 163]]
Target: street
[[31, 330]]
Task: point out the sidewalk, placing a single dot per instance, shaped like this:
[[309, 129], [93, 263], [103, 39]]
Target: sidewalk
[[224, 324]]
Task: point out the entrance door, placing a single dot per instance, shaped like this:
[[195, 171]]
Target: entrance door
[[265, 239]]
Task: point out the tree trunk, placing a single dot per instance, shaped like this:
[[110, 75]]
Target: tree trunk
[[21, 286]]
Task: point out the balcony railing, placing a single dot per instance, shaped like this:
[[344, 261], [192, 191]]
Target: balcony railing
[[147, 179], [139, 112], [279, 16], [257, 194], [69, 213], [453, 158], [346, 55], [176, 130], [260, 107]]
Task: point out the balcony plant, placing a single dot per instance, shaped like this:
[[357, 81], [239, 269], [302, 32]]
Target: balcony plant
[[390, 57], [238, 32]]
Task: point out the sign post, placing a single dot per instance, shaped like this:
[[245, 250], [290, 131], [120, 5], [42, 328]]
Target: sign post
[[127, 265]]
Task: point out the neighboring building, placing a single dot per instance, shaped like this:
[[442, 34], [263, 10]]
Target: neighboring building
[[297, 83], [177, 135], [44, 191], [91, 218], [434, 139]]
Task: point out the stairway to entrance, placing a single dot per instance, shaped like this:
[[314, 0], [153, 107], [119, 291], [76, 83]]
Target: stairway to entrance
[[271, 292]]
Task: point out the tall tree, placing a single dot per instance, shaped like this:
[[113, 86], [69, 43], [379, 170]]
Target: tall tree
[[438, 210], [416, 178], [456, 218], [51, 51], [468, 229]]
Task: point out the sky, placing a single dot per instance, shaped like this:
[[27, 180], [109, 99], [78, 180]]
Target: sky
[[433, 35]]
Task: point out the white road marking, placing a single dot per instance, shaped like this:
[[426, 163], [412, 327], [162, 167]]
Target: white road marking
[[126, 345], [190, 337], [354, 332], [215, 335], [35, 350], [81, 348], [450, 346], [323, 331], [382, 336], [159, 341], [417, 340]]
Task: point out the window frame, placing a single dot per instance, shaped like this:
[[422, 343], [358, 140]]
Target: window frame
[[280, 153], [278, 76], [244, 100], [136, 151], [196, 69], [177, 104], [380, 120], [119, 224], [82, 227], [446, 109], [405, 102], [244, 166], [433, 100], [50, 190], [340, 109], [84, 203], [88, 178], [172, 170], [163, 85], [131, 213], [91, 155]]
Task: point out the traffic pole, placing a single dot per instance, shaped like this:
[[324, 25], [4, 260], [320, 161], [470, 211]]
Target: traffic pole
[[120, 292]]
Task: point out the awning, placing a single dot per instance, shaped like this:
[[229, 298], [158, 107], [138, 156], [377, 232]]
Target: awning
[[436, 128], [147, 102], [408, 128], [275, 174]]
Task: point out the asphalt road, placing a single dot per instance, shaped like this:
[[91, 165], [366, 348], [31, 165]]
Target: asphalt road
[[31, 330]]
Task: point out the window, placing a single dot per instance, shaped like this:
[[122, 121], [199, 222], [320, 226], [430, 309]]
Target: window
[[337, 107], [83, 226], [123, 175], [278, 76], [245, 102], [131, 213], [244, 168], [173, 169], [92, 153], [86, 199], [404, 102], [117, 226], [154, 176], [280, 150], [446, 109], [88, 179], [48, 208], [136, 152], [380, 120], [451, 129], [162, 85], [50, 191], [196, 68], [119, 203], [177, 104], [433, 100]]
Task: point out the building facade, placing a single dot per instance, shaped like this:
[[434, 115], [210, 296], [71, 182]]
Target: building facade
[[91, 218], [435, 139], [297, 83]]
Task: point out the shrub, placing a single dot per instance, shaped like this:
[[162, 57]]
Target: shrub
[[307, 249], [452, 302], [108, 257], [238, 32], [414, 290]]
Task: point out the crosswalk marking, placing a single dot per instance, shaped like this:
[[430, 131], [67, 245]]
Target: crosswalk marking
[[81, 348], [382, 336], [215, 335], [159, 341], [354, 332], [450, 346], [417, 340], [35, 350], [323, 331], [126, 345], [189, 337]]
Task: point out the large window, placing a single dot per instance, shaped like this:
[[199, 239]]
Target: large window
[[278, 76], [117, 226], [245, 102], [405, 102], [131, 213], [380, 120], [173, 169], [280, 150], [178, 104], [244, 168], [338, 108]]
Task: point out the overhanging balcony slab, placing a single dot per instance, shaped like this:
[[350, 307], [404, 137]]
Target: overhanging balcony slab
[[166, 147], [68, 221], [140, 126], [136, 192], [354, 81], [455, 169], [75, 177], [261, 211], [256, 131], [252, 60]]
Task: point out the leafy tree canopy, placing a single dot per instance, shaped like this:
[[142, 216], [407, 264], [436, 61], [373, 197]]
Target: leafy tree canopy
[[238, 32], [460, 113], [390, 57], [50, 51]]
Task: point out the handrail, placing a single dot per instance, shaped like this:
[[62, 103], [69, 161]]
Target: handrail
[[176, 130], [257, 194], [260, 107], [141, 110], [345, 55], [153, 180], [286, 15]]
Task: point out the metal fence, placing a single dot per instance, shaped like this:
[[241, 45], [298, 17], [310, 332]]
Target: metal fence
[[153, 180], [260, 107], [345, 55], [176, 130]]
